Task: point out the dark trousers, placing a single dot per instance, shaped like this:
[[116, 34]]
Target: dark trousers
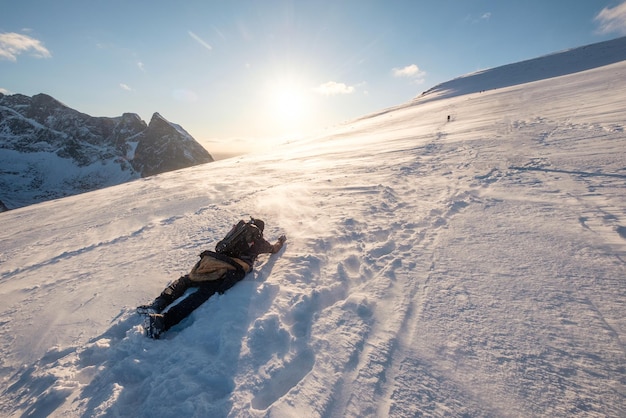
[[177, 288]]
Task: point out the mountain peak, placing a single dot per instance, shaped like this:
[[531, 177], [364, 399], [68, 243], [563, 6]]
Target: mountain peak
[[161, 138], [156, 117]]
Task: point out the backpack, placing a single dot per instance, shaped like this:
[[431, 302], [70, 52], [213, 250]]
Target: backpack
[[213, 266], [239, 240]]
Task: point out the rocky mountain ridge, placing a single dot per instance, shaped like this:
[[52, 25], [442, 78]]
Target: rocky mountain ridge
[[48, 150]]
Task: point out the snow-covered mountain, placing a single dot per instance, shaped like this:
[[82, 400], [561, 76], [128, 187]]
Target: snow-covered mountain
[[541, 68], [470, 267], [48, 150]]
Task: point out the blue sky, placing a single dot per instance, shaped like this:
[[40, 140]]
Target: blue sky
[[232, 70]]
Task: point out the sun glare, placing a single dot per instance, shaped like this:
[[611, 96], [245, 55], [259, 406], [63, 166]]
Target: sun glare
[[289, 104]]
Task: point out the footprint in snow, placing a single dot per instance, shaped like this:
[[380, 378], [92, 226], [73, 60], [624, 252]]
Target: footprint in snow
[[283, 380]]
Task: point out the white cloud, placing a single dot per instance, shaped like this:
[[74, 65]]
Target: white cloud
[[4, 91], [125, 87], [13, 44], [332, 88], [141, 66], [411, 72], [408, 71], [486, 16], [612, 20], [200, 40]]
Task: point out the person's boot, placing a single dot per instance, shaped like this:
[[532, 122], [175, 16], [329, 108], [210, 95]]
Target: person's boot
[[155, 307], [154, 325]]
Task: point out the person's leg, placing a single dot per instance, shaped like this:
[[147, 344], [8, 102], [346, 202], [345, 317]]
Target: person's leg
[[181, 310], [159, 323], [175, 290], [172, 292]]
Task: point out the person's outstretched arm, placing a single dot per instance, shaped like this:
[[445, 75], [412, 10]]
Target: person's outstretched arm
[[263, 246]]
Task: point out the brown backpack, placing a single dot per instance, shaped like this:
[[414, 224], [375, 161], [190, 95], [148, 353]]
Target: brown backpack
[[214, 266]]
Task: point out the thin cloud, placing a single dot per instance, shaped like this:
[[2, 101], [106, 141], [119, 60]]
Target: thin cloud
[[219, 33], [612, 20], [125, 87], [200, 40], [13, 44], [333, 88], [184, 95], [141, 66], [476, 19], [4, 91]]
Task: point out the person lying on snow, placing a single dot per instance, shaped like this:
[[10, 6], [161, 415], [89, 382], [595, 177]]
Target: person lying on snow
[[217, 271]]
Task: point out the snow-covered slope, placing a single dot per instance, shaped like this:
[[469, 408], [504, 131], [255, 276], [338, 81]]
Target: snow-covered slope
[[541, 68], [466, 268]]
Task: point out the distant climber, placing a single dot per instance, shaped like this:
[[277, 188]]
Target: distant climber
[[448, 118], [217, 271]]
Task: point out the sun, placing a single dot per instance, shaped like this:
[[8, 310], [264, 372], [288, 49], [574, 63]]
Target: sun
[[289, 104]]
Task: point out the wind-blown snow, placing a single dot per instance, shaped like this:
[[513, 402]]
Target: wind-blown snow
[[474, 267]]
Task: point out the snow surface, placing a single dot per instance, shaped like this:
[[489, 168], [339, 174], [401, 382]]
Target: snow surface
[[474, 267]]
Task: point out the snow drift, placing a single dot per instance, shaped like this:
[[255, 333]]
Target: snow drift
[[465, 268]]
